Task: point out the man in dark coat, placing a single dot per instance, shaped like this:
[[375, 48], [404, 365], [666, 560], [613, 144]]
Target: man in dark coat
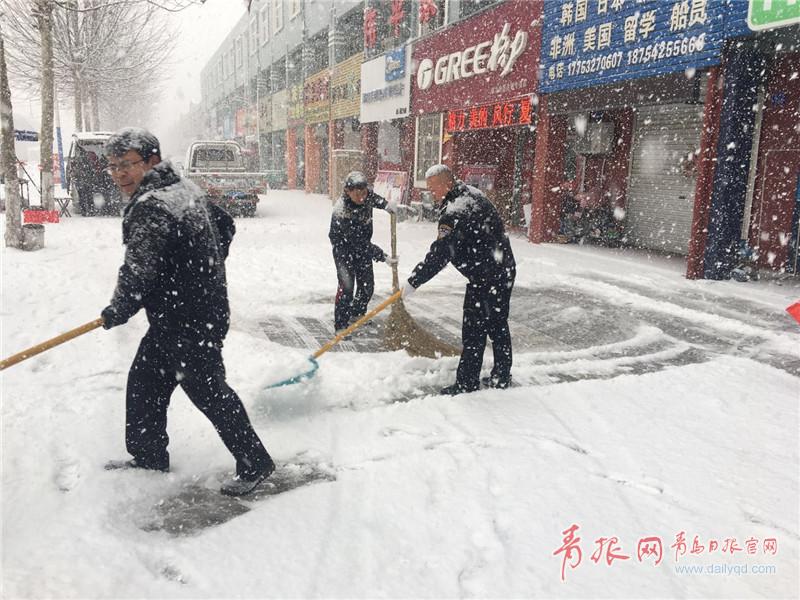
[[471, 236], [353, 251], [176, 244]]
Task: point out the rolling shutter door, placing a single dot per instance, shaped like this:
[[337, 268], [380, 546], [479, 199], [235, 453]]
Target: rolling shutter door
[[660, 198]]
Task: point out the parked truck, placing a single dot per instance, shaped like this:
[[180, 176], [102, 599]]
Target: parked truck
[[219, 168], [92, 190]]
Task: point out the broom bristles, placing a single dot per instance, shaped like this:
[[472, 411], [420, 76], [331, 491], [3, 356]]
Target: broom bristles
[[401, 332]]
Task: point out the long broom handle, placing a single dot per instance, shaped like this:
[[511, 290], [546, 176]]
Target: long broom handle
[[59, 339], [391, 299], [395, 278]]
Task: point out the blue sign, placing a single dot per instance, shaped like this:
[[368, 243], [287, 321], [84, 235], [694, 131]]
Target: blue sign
[[23, 135], [395, 64], [595, 42]]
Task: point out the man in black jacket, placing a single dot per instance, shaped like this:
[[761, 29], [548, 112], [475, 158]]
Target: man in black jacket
[[472, 237], [353, 251], [176, 244]]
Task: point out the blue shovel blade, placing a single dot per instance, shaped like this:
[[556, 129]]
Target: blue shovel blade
[[298, 378]]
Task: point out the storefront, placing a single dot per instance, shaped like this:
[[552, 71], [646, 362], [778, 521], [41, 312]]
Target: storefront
[[387, 130], [632, 123], [295, 138], [474, 94], [264, 131], [249, 140], [346, 152], [275, 151], [317, 107], [772, 208]]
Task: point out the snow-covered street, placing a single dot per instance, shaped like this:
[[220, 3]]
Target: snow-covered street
[[656, 417]]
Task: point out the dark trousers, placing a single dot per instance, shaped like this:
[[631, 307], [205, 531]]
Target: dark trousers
[[486, 309], [164, 362], [354, 274]]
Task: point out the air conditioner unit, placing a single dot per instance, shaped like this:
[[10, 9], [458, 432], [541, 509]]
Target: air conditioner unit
[[599, 139]]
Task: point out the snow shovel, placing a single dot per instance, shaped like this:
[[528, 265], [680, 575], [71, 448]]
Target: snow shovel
[[51, 343], [339, 337], [401, 331]]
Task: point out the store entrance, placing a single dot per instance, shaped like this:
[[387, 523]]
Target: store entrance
[[499, 163]]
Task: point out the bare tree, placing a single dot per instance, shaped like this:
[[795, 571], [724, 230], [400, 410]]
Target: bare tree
[[107, 53], [8, 158], [44, 19]]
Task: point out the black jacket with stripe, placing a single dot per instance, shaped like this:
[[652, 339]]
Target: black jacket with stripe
[[471, 237]]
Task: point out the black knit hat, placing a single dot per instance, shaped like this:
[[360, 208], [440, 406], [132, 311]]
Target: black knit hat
[[132, 138], [355, 180]]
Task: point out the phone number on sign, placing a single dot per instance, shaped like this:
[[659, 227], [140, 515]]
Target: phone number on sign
[[647, 54], [662, 50]]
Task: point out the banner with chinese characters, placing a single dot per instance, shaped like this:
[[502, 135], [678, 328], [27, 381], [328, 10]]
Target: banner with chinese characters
[[485, 58], [500, 114], [265, 114], [346, 88], [280, 110], [595, 42], [295, 116], [317, 98]]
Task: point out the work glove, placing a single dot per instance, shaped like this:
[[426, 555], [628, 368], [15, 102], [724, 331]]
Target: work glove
[[112, 318], [407, 291], [392, 260], [391, 207]]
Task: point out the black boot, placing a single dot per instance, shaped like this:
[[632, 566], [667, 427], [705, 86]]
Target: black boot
[[114, 465], [496, 382], [458, 388]]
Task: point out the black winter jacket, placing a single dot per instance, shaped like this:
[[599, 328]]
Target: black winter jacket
[[472, 237], [351, 229], [176, 245]]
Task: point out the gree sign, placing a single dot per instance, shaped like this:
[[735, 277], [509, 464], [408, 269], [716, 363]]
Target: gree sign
[[769, 14], [498, 54], [492, 56]]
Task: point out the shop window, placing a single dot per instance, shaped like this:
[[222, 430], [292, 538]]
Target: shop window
[[294, 68], [351, 134], [387, 24], [263, 29], [389, 142], [470, 7], [278, 146], [278, 76], [317, 49], [429, 146], [348, 44], [430, 15], [253, 35], [277, 15], [570, 161]]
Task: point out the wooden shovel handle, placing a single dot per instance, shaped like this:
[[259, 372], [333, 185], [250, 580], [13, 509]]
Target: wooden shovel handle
[[59, 339], [393, 298], [395, 279]]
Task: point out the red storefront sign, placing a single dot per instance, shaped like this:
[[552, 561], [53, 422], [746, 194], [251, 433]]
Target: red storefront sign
[[482, 60], [499, 114]]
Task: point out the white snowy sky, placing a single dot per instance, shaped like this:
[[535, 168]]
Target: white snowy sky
[[201, 30]]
